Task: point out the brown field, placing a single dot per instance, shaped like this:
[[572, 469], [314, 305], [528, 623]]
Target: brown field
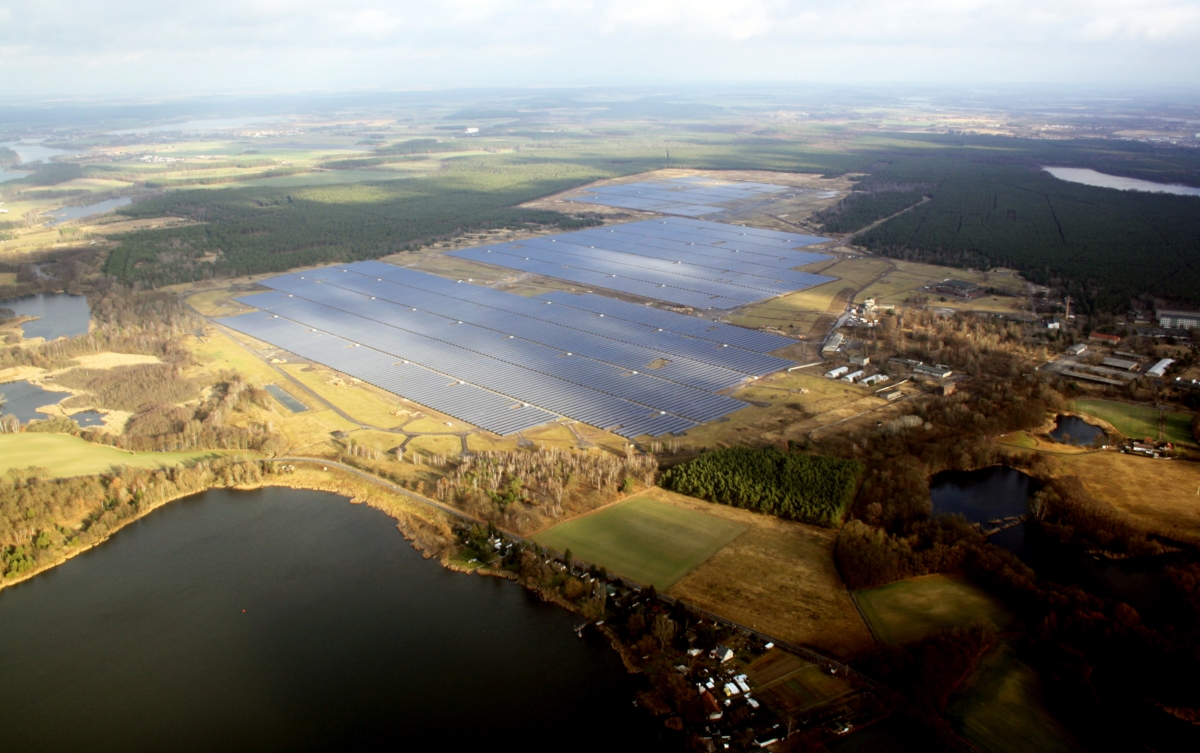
[[905, 279], [1161, 494], [773, 418], [790, 684], [777, 577]]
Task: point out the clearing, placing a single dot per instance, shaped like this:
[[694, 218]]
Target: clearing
[[777, 577], [643, 538], [65, 455], [1164, 495], [909, 610]]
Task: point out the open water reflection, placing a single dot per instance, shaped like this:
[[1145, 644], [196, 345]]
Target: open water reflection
[[284, 619], [58, 314]]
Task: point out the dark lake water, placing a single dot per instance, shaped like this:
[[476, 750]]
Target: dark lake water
[[73, 213], [292, 620], [1000, 491], [59, 314], [284, 397], [22, 400], [1075, 431]]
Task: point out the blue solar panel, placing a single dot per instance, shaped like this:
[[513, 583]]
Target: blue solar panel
[[704, 265], [693, 196]]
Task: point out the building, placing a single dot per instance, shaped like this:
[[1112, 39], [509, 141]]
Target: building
[[1178, 319], [833, 343], [835, 373], [937, 371], [1120, 363], [959, 289], [891, 395], [1077, 350], [860, 360], [853, 376], [905, 362], [1054, 323], [1100, 337], [1160, 369], [875, 379]]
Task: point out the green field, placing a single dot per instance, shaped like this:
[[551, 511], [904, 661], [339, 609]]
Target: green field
[[1139, 421], [909, 610], [322, 178], [65, 455], [1001, 709], [649, 541]]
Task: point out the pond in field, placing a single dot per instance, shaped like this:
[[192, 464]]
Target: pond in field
[[66, 214], [282, 619], [1101, 180], [282, 395], [88, 418], [22, 399], [1075, 431], [58, 314]]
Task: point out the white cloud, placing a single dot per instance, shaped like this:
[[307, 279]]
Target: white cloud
[[284, 43]]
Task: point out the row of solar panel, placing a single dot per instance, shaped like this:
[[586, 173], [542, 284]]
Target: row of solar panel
[[692, 195], [701, 362], [487, 410], [718, 236], [661, 256], [355, 316], [646, 205], [566, 383], [680, 283], [692, 326], [726, 231]]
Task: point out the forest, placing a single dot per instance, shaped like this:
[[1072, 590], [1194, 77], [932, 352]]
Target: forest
[[989, 204], [808, 488]]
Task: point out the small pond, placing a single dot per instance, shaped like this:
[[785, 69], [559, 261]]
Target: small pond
[[23, 399], [66, 214], [289, 402], [1075, 431], [88, 418], [998, 492], [58, 314], [1102, 180]]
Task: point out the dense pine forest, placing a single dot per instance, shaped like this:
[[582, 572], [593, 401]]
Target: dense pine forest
[[809, 488]]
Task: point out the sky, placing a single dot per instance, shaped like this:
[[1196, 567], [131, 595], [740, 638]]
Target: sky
[[103, 47]]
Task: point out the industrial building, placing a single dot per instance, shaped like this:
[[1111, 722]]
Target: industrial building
[[1160, 369], [959, 289], [1178, 319]]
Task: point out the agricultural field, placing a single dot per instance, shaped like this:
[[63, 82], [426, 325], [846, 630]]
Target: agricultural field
[[789, 684], [909, 610], [777, 577], [644, 538], [66, 456], [905, 279], [1001, 709], [1140, 421], [1163, 495]]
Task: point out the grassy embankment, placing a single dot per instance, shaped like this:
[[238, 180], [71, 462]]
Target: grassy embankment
[[1140, 421], [64, 456]]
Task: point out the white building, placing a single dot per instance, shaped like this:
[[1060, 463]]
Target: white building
[[834, 374], [853, 376], [1160, 369]]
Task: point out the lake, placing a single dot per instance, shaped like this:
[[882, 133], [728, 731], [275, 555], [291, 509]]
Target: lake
[[283, 619], [284, 397], [1101, 180], [212, 124], [22, 400], [58, 314], [66, 214], [1075, 431], [29, 151]]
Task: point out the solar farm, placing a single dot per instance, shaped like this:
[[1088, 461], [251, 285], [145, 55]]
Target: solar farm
[[692, 196], [685, 262], [505, 362]]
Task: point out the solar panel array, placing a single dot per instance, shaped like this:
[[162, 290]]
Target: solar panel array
[[505, 362], [704, 265], [691, 196]]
